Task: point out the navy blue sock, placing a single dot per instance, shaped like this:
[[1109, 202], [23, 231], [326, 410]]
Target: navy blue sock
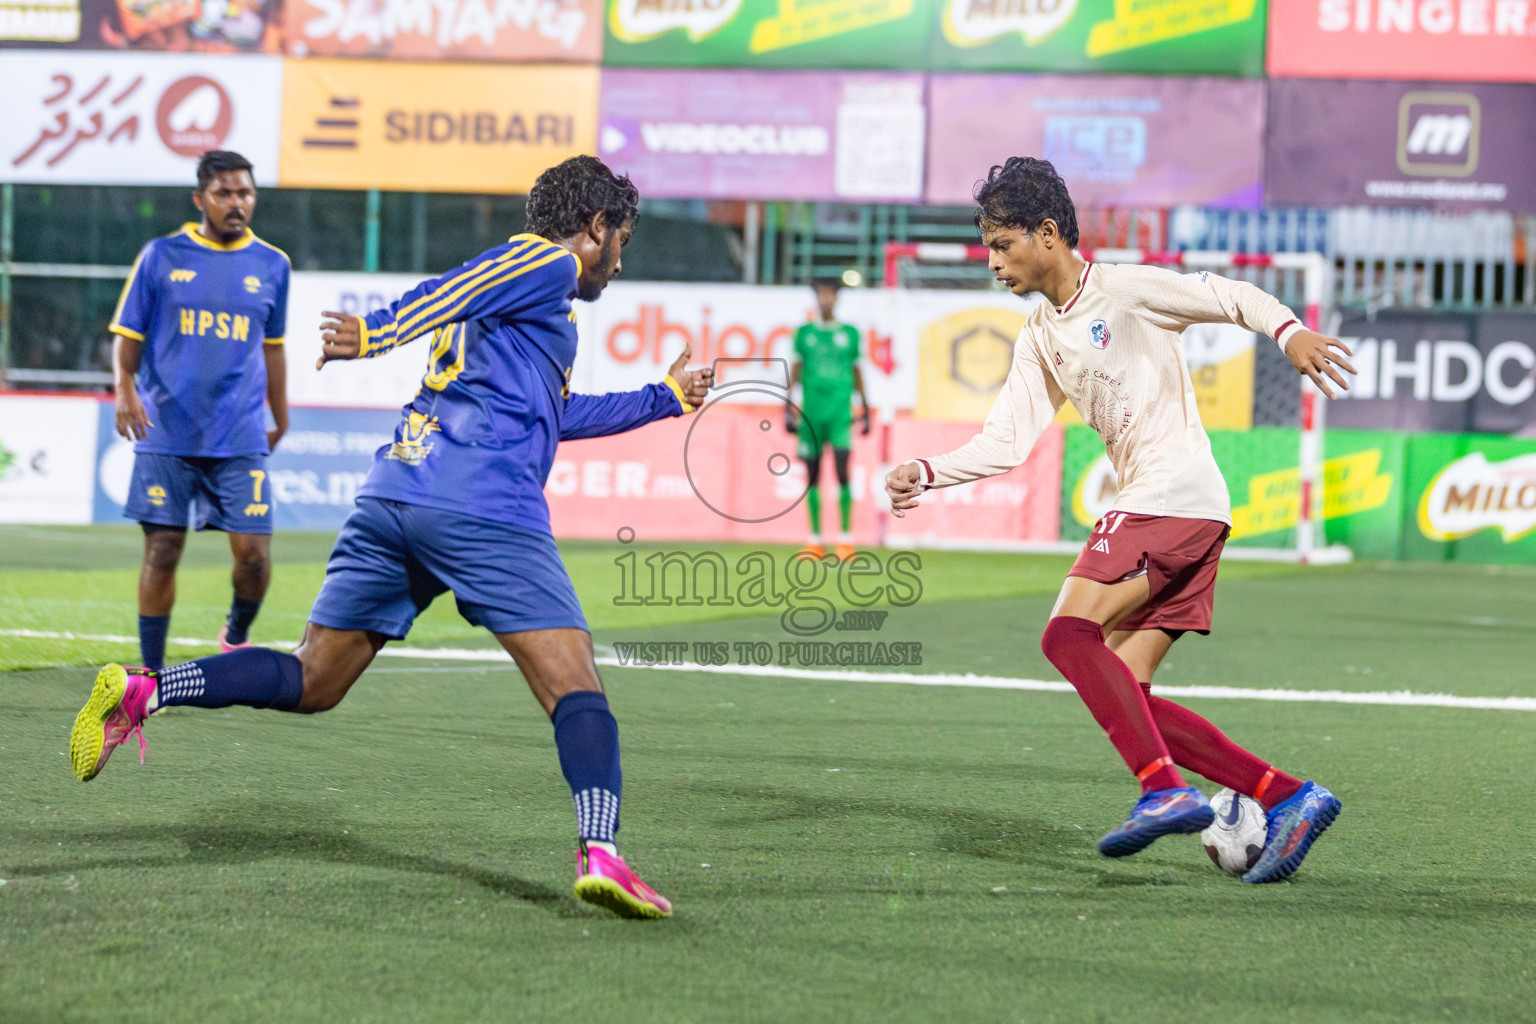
[[253, 676], [238, 626], [588, 740], [152, 631]]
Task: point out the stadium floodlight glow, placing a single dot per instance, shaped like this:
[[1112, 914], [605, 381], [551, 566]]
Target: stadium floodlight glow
[[1313, 271]]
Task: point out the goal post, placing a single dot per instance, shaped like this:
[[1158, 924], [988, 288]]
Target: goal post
[[1310, 274]]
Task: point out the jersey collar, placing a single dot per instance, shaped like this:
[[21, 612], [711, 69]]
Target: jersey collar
[[190, 230], [528, 236], [1082, 283]]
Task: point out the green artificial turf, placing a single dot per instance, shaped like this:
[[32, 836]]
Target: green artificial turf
[[837, 850]]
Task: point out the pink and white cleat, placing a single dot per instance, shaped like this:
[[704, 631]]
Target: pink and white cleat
[[115, 711], [224, 645], [604, 880]]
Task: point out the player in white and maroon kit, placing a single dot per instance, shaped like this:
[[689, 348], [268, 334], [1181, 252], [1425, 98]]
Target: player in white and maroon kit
[[1107, 340]]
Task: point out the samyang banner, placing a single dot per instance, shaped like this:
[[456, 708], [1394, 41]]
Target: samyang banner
[[493, 30], [1453, 146], [1118, 141]]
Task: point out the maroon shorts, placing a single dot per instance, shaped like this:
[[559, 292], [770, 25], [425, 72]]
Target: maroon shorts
[[1178, 557]]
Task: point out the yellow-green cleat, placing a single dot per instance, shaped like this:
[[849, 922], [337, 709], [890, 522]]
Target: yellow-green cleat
[[115, 711]]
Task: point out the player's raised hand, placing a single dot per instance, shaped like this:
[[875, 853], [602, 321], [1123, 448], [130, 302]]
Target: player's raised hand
[[1313, 355], [341, 337], [695, 383], [132, 421], [903, 484]]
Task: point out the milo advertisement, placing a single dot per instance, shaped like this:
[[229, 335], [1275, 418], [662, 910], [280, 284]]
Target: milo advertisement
[[1190, 37], [1471, 498], [768, 34], [1428, 497], [1196, 37]]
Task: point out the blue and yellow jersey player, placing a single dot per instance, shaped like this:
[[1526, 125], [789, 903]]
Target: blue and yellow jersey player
[[199, 353], [456, 503]]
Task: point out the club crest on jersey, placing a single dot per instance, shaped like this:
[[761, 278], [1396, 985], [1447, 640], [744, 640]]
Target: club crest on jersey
[[1099, 335], [253, 284]]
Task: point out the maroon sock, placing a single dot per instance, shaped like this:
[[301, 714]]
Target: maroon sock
[[1076, 647], [1198, 745]]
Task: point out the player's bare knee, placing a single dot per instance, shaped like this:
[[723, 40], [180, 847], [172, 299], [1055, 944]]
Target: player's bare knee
[[163, 548]]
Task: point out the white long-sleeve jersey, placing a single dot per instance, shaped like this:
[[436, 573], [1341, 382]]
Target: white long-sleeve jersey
[[1113, 351]]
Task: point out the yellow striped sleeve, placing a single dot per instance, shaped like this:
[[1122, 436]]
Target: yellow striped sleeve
[[410, 318], [125, 332], [447, 316], [273, 341]]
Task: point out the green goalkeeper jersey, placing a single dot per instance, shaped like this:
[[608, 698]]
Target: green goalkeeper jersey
[[828, 355]]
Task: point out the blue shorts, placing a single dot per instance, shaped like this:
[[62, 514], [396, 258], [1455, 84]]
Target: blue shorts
[[233, 494], [392, 559]]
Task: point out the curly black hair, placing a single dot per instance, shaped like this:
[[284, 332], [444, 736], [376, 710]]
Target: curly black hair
[[565, 197], [215, 162], [1023, 193]]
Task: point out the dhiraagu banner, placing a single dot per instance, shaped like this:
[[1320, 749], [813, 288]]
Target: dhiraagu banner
[[1196, 37], [1363, 475], [1187, 37], [769, 33]]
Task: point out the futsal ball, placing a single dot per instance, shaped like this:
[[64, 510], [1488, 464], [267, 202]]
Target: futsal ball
[[1235, 839]]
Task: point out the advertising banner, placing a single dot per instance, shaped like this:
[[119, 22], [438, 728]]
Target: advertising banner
[[47, 448], [1449, 146], [134, 119], [1213, 37], [766, 135], [716, 475], [1117, 141], [1458, 40], [495, 30], [1362, 486], [252, 26], [432, 127], [384, 382], [1190, 37], [1471, 498], [760, 33], [1439, 372], [313, 475]]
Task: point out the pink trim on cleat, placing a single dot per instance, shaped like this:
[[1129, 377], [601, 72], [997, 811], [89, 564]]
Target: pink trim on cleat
[[115, 711], [224, 645], [604, 880]]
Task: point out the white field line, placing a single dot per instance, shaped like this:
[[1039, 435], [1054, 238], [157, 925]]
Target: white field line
[[1397, 698]]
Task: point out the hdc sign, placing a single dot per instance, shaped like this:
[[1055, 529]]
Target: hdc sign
[[1444, 373]]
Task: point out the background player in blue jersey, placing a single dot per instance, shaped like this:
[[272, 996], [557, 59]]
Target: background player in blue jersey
[[456, 503], [199, 349]]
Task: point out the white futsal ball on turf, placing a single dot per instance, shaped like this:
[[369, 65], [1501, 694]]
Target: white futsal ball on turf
[[1235, 839]]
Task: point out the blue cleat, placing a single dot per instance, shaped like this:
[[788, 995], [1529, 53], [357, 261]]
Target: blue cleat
[[1159, 813], [1294, 826]]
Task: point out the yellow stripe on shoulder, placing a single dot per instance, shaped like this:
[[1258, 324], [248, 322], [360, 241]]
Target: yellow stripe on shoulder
[[410, 317]]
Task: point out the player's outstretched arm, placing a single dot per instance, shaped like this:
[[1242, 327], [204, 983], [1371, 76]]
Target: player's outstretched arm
[[1319, 357], [1022, 412], [681, 391]]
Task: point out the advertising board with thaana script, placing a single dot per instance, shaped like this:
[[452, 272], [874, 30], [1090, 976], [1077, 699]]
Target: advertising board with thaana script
[[134, 119]]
